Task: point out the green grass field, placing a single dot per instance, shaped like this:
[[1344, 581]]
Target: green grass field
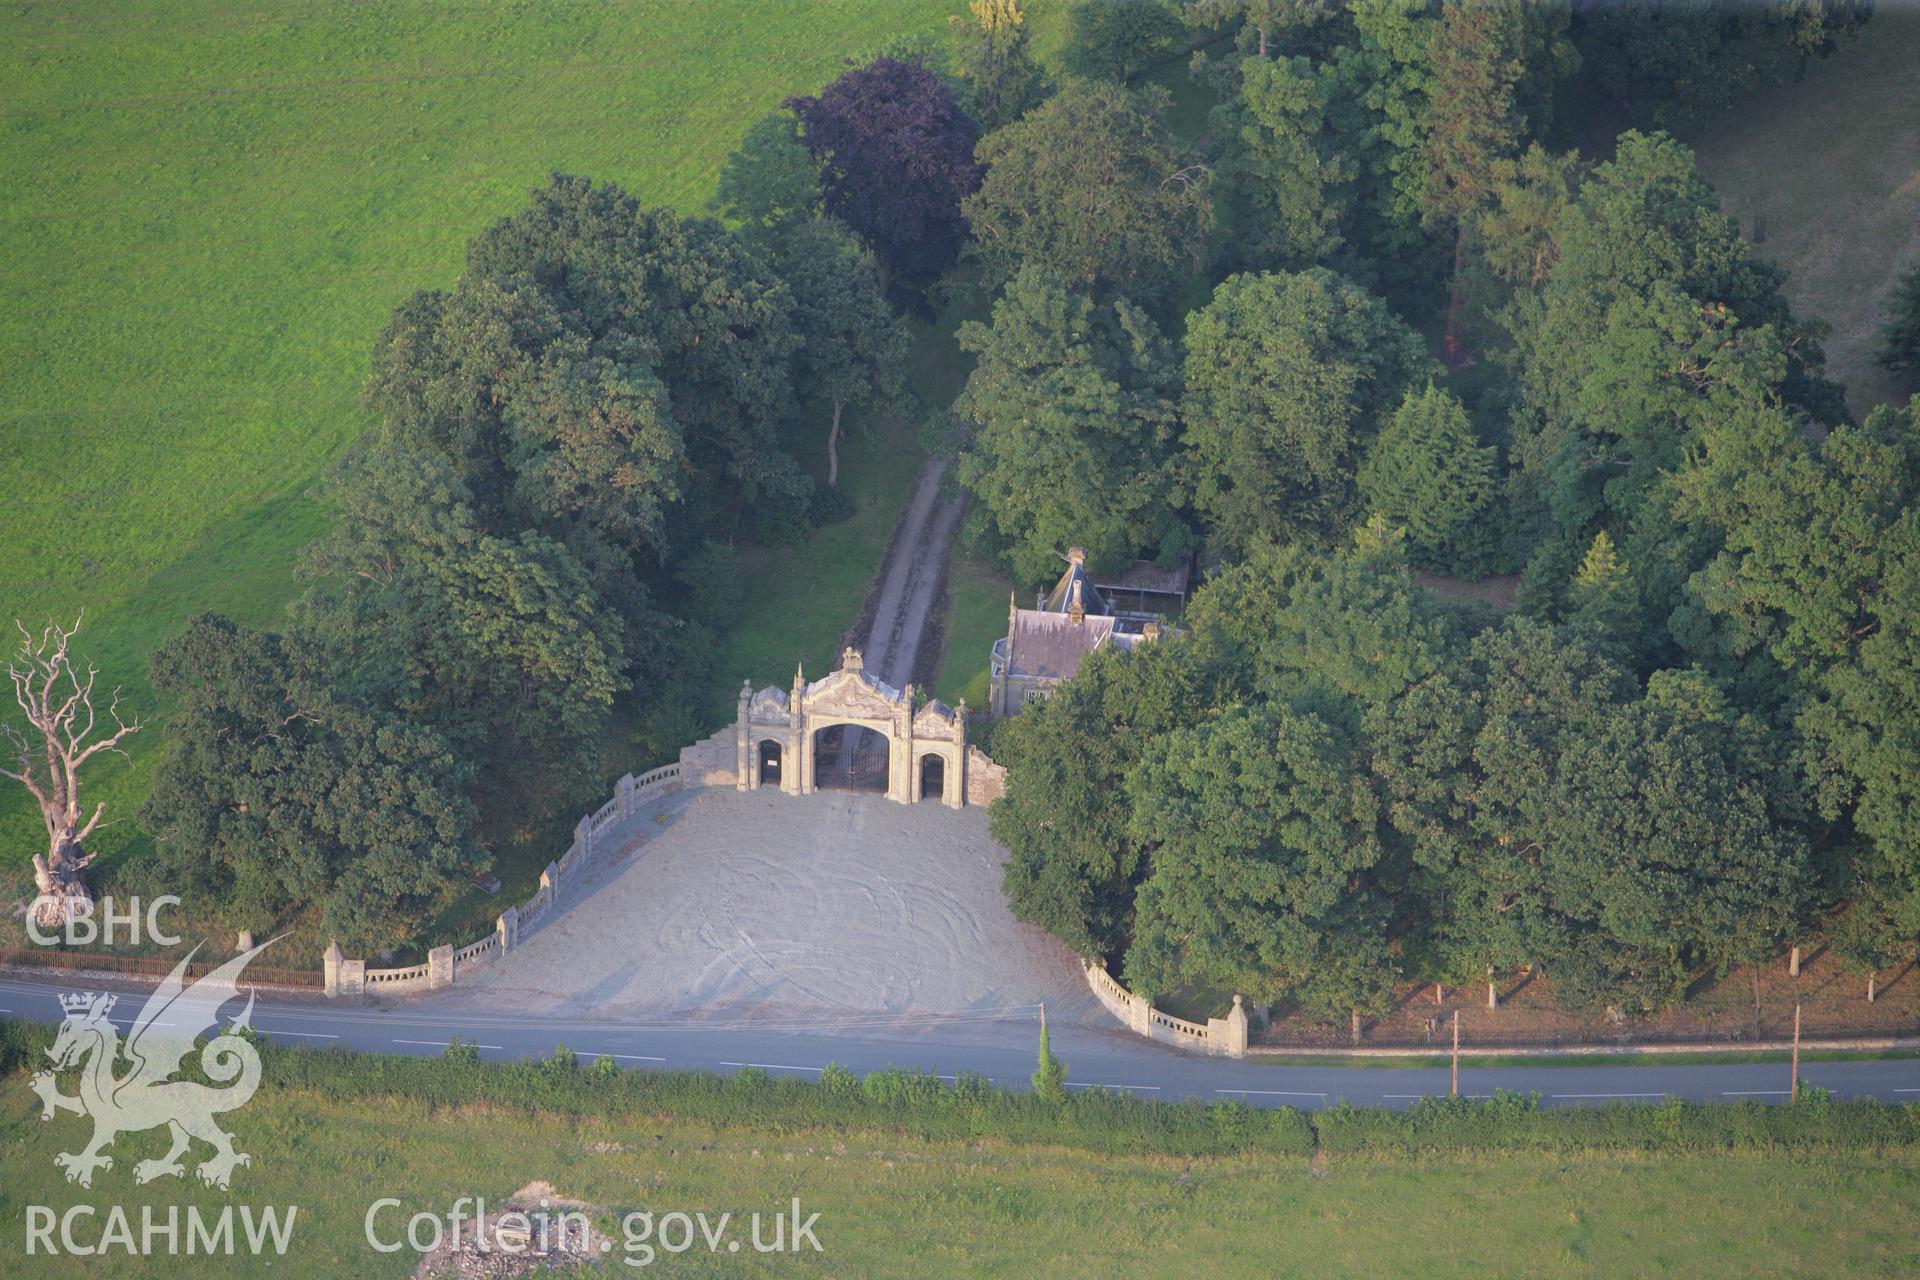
[[895, 1206], [212, 209], [1829, 170]]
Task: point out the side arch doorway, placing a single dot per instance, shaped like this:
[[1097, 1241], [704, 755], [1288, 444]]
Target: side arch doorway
[[770, 762], [933, 777]]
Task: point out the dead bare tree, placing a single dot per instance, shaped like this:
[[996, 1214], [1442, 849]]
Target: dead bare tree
[[57, 698]]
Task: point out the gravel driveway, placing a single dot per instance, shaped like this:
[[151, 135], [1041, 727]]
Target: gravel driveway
[[768, 906]]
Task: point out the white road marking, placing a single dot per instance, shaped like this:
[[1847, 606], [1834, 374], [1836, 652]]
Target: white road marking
[[1276, 1093], [311, 1035], [771, 1066], [443, 1044], [1606, 1095], [1907, 1090], [632, 1057], [1095, 1084], [1754, 1093]]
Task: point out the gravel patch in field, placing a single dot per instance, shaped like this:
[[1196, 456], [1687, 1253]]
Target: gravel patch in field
[[764, 905]]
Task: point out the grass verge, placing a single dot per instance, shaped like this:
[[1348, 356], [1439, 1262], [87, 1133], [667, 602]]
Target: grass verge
[[976, 617], [911, 1178]]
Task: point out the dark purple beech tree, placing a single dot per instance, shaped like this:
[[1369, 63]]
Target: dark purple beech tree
[[897, 159]]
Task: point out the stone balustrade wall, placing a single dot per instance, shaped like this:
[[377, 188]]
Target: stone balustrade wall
[[1223, 1036], [445, 964]]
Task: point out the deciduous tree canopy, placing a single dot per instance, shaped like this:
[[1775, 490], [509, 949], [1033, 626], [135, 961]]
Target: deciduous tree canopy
[[1090, 187], [1284, 172], [1673, 62], [770, 180], [563, 431], [1003, 82], [1119, 39], [1288, 377], [855, 350], [278, 793], [1073, 866], [1071, 406], [1264, 850], [1697, 735]]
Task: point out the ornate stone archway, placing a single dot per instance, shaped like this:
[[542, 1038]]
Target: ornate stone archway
[[851, 696]]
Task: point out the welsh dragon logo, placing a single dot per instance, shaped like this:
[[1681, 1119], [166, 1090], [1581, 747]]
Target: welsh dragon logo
[[144, 1095]]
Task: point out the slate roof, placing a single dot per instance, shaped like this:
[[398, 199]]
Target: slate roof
[[1062, 594], [1052, 644], [1046, 642]]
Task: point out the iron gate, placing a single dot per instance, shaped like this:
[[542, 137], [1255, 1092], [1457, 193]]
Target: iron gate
[[848, 757]]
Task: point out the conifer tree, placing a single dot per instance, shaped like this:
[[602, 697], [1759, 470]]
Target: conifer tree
[[1900, 336], [1602, 592], [1428, 473], [1049, 1079]]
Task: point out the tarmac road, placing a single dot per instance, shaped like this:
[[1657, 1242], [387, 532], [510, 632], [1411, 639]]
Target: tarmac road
[[998, 1044]]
